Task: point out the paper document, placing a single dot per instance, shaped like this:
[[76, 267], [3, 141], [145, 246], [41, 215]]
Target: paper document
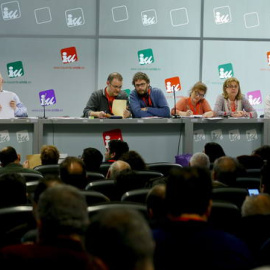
[[6, 112], [34, 160], [118, 107]]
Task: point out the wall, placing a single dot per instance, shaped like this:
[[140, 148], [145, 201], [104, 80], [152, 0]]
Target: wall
[[188, 41]]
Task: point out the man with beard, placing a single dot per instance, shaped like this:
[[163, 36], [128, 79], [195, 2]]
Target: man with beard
[[147, 101]]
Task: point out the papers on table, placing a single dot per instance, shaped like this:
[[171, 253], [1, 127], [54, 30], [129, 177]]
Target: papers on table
[[118, 107], [6, 112]]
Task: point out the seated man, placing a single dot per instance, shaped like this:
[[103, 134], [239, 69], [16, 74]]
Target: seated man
[[10, 162], [147, 101], [18, 107]]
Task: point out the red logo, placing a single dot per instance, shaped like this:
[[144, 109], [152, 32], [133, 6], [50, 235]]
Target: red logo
[[114, 134], [69, 55], [172, 83]]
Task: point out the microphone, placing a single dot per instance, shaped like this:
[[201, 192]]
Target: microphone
[[46, 98], [174, 101]]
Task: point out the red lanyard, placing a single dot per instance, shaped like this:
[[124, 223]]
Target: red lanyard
[[147, 100]]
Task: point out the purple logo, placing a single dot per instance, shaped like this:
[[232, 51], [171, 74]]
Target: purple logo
[[255, 97], [47, 97]]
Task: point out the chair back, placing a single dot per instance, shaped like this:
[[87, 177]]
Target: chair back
[[136, 195], [31, 176], [248, 182], [51, 169], [93, 210], [15, 222], [104, 167], [256, 173], [163, 167], [233, 195], [106, 187], [145, 177], [225, 216], [94, 197], [93, 176]]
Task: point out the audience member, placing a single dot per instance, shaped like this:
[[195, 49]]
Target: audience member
[[147, 101], [19, 109], [232, 102], [195, 104], [120, 239], [100, 102], [263, 151], [73, 172], [255, 221], [187, 237], [115, 149], [12, 190], [92, 159], [225, 171], [10, 162], [156, 208], [116, 168], [213, 150], [62, 223], [250, 161], [135, 160], [200, 159], [49, 154]]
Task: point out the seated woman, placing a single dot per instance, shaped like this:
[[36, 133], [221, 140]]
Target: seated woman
[[195, 104], [232, 103]]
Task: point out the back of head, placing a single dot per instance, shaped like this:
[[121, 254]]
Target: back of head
[[121, 238], [49, 154], [226, 170], [200, 160], [92, 159], [263, 151], [213, 150], [12, 190], [118, 147], [116, 168], [62, 211], [135, 160], [188, 191], [265, 178], [250, 161], [73, 172], [8, 155], [256, 205]]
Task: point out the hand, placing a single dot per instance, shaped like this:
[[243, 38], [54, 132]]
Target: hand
[[0, 107], [237, 114], [208, 114], [126, 114], [189, 112], [144, 109], [26, 164], [12, 104], [102, 114]]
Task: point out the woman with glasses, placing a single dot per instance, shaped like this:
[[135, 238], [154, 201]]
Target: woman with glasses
[[195, 104], [232, 103]]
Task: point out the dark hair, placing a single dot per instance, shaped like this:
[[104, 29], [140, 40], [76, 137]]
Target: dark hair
[[8, 155], [189, 190], [114, 75], [118, 147], [213, 150], [140, 76], [49, 154], [135, 160], [263, 151], [92, 159]]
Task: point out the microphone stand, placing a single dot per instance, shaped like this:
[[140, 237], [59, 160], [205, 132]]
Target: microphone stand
[[174, 100], [44, 116]]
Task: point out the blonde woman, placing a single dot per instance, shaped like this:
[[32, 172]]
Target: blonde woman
[[232, 103]]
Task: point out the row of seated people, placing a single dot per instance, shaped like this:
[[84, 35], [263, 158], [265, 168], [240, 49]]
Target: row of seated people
[[181, 210]]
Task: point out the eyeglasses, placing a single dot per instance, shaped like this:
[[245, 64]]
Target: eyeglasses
[[116, 86], [232, 86], [139, 85], [198, 94]]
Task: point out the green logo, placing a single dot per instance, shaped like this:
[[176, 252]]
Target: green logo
[[146, 57], [225, 71], [15, 69]]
